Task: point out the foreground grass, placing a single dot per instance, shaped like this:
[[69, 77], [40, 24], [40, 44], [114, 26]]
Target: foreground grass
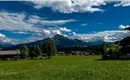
[[65, 68]]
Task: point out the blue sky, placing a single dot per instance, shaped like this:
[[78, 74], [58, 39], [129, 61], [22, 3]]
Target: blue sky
[[90, 21]]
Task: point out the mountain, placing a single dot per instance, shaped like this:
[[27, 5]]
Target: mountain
[[5, 45], [60, 41], [125, 41], [40, 43], [64, 42], [97, 43]]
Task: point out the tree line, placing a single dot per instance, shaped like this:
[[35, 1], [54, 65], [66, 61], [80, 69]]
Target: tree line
[[115, 51], [48, 49]]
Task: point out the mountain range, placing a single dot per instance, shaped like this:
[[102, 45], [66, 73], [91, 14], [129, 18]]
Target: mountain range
[[60, 41], [5, 45], [125, 41]]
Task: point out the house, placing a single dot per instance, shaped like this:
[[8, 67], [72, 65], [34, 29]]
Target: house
[[81, 53], [10, 54]]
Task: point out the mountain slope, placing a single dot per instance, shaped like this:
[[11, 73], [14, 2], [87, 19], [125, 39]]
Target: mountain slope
[[125, 41], [63, 42], [5, 45], [60, 41]]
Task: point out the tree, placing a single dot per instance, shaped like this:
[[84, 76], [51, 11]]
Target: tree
[[104, 49], [111, 52], [125, 49], [31, 52], [34, 51], [24, 51], [49, 48], [37, 50]]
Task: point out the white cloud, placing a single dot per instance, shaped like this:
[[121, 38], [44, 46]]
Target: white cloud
[[1, 35], [123, 27], [20, 23], [56, 22], [70, 6], [20, 32], [46, 32], [112, 1], [5, 40], [52, 32], [64, 29], [36, 19], [14, 22], [56, 32], [74, 33], [84, 24], [107, 36], [123, 3]]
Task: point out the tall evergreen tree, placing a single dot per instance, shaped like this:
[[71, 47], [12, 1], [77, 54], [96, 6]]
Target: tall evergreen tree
[[104, 49], [24, 51], [31, 52], [37, 50], [49, 48]]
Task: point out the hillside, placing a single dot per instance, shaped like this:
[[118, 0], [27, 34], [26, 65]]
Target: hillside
[[125, 41], [60, 41]]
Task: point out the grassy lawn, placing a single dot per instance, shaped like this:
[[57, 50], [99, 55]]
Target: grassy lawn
[[65, 68]]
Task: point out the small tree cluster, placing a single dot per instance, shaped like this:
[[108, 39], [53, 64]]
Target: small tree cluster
[[48, 49], [125, 49], [32, 52]]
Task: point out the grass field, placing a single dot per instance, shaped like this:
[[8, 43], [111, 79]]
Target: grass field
[[65, 68]]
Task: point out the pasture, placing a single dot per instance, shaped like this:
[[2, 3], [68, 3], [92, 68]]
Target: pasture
[[65, 68]]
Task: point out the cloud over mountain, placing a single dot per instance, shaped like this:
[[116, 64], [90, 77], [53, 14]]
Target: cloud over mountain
[[105, 36], [20, 23], [123, 27], [39, 19]]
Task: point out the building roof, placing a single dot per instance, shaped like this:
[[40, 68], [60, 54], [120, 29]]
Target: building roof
[[11, 52]]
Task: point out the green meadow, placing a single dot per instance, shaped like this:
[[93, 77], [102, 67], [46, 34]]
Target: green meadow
[[66, 68]]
